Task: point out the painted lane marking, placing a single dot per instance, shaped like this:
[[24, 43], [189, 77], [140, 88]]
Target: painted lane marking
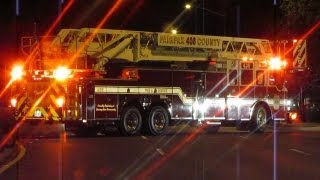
[[244, 137], [161, 152], [300, 152], [18, 158]]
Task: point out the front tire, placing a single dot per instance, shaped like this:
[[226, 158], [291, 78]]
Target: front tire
[[130, 121], [259, 119], [157, 121]]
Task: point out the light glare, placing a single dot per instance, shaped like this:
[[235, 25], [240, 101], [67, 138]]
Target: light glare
[[61, 73], [17, 73], [13, 102], [174, 31], [275, 63], [60, 101]]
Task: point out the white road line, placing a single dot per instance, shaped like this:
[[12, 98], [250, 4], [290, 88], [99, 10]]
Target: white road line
[[20, 155], [244, 137], [301, 152], [144, 137], [160, 151]]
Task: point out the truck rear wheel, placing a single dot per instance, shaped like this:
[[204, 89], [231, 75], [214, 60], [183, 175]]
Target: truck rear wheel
[[259, 119], [157, 121], [130, 121]]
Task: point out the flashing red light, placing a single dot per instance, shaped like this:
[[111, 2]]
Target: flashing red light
[[213, 62], [130, 73]]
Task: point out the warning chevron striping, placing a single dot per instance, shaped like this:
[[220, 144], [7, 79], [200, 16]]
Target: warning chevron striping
[[300, 54]]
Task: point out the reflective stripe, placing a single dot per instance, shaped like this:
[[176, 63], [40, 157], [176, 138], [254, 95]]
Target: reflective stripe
[[55, 115], [48, 105], [101, 89], [21, 101]]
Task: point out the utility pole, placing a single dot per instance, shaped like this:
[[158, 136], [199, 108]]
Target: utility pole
[[274, 20], [203, 16], [196, 19], [16, 23], [60, 4], [238, 15]]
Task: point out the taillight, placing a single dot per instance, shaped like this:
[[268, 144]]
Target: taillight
[[13, 102], [60, 101], [61, 73], [293, 116]]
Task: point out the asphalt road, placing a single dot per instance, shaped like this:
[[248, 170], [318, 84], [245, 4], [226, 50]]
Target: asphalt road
[[189, 154]]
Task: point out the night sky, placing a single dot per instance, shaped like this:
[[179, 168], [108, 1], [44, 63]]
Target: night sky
[[142, 15], [256, 18], [146, 15]]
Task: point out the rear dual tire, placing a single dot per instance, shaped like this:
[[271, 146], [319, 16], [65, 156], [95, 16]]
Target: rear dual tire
[[130, 121], [156, 121]]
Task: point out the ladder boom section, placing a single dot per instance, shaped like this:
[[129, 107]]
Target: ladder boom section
[[107, 53], [103, 45], [144, 46]]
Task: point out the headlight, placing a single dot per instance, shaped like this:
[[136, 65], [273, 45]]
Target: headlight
[[61, 73], [288, 102]]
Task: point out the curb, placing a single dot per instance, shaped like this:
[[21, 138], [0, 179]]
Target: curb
[[310, 128], [19, 152]]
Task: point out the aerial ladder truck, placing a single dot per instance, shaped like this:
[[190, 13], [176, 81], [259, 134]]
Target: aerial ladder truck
[[146, 81]]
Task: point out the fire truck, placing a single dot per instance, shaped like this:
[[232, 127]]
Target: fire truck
[[143, 82]]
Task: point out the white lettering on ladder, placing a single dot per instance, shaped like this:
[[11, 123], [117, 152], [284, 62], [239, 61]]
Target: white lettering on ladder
[[183, 40]]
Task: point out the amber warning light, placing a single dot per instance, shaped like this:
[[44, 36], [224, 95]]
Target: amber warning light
[[62, 73]]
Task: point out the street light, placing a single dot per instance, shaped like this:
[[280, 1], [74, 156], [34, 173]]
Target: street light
[[174, 31], [189, 6]]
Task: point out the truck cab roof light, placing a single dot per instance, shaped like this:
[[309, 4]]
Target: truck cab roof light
[[61, 73], [17, 72]]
